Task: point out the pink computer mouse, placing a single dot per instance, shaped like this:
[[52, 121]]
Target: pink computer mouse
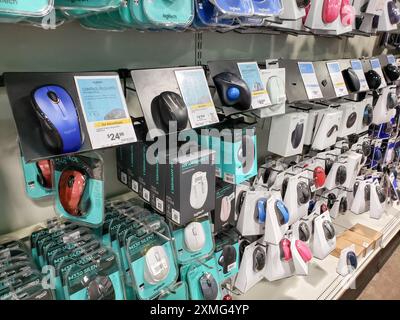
[[286, 253], [303, 250], [347, 13], [330, 10]]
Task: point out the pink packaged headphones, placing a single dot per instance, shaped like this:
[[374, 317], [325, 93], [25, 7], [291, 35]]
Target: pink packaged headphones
[[330, 10], [347, 13], [303, 250]]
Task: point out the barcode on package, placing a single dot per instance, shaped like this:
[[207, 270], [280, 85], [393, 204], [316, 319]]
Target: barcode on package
[[135, 186], [146, 194], [159, 205], [176, 216], [124, 178]]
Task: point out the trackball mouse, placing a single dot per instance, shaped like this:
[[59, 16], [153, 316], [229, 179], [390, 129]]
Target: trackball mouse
[[58, 119], [233, 91], [72, 192], [171, 108]]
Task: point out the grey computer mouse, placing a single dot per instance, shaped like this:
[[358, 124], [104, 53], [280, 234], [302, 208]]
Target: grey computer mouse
[[209, 287]]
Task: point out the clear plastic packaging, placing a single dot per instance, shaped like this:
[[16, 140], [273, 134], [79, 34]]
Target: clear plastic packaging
[[266, 8], [169, 13], [36, 8], [207, 16], [98, 5], [234, 8]]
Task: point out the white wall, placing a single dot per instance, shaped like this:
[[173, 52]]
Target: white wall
[[72, 48]]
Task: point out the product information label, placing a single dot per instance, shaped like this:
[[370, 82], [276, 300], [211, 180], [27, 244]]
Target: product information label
[[196, 94], [376, 7], [250, 73], [358, 69], [376, 65], [391, 59], [310, 80], [105, 111], [337, 79]]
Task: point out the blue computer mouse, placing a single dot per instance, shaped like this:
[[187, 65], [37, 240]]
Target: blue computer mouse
[[58, 118]]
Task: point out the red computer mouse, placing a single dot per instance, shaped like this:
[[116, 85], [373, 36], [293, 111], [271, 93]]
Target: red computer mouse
[[330, 10], [71, 189], [286, 252], [303, 250], [347, 13], [319, 177], [45, 173]]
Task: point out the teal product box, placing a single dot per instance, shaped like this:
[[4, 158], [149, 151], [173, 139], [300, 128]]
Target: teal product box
[[157, 175], [37, 8], [190, 188], [38, 184], [128, 165], [239, 155], [84, 174]]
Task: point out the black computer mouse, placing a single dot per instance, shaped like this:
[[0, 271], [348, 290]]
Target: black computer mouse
[[328, 165], [351, 260], [351, 79], [343, 205], [367, 192], [391, 102], [331, 200], [209, 287], [169, 107], [394, 12], [329, 230], [341, 175], [101, 288], [56, 111], [351, 120], [332, 130], [304, 232], [303, 193], [373, 79], [246, 153], [381, 194], [303, 3], [233, 91], [284, 187], [227, 258], [375, 22], [297, 135], [392, 72], [368, 115], [355, 188], [259, 257]]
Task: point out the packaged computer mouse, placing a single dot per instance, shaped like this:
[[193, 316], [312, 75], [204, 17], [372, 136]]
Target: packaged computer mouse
[[37, 8], [79, 189], [152, 260], [194, 241], [227, 254], [97, 5], [169, 13]]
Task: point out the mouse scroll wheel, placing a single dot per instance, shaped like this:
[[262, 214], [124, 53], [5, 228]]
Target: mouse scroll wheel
[[71, 180], [53, 96]]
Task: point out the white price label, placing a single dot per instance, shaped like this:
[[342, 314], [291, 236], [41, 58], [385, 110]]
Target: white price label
[[135, 186], [196, 94], [310, 80], [391, 59], [105, 111], [160, 204], [337, 79], [124, 177], [358, 69], [176, 216], [250, 73]]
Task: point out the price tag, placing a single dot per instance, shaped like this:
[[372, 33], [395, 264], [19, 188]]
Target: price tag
[[250, 73], [376, 65], [391, 59], [105, 111], [310, 80], [358, 69], [196, 94], [337, 79]]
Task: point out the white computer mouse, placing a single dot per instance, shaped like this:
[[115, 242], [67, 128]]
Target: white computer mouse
[[276, 90], [156, 265], [195, 237], [199, 190], [225, 209]]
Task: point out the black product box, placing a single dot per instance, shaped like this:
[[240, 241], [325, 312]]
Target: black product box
[[224, 213], [156, 176], [190, 186]]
